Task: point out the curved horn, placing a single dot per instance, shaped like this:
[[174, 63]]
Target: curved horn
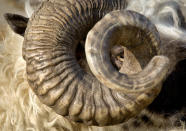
[[115, 28], [53, 73]]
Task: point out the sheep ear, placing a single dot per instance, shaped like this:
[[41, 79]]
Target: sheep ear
[[17, 23]]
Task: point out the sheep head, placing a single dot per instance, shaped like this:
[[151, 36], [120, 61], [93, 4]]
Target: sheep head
[[102, 96]]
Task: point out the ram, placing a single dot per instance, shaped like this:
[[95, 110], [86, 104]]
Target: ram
[[103, 94]]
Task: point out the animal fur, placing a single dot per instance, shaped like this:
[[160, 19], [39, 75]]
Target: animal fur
[[20, 109]]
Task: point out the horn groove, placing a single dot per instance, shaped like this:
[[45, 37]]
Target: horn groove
[[111, 29], [58, 80]]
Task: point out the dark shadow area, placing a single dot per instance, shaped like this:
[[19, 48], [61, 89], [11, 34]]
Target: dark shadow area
[[172, 97]]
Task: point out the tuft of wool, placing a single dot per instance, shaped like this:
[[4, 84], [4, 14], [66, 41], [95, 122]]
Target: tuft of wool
[[21, 110]]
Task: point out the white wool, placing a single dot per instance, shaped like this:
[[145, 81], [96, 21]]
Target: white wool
[[28, 9], [21, 110], [31, 5], [174, 33]]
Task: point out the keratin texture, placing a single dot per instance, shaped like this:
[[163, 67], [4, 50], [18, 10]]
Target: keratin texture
[[21, 110]]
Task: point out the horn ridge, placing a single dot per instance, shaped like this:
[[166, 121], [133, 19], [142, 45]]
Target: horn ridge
[[100, 39], [58, 80]]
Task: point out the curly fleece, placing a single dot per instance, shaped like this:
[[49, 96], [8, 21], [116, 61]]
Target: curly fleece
[[20, 109]]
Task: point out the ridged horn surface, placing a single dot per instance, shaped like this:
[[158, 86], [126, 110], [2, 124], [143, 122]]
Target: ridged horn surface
[[116, 28], [54, 74]]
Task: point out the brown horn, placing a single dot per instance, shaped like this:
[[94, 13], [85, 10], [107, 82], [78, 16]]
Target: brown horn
[[54, 74], [116, 28]]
